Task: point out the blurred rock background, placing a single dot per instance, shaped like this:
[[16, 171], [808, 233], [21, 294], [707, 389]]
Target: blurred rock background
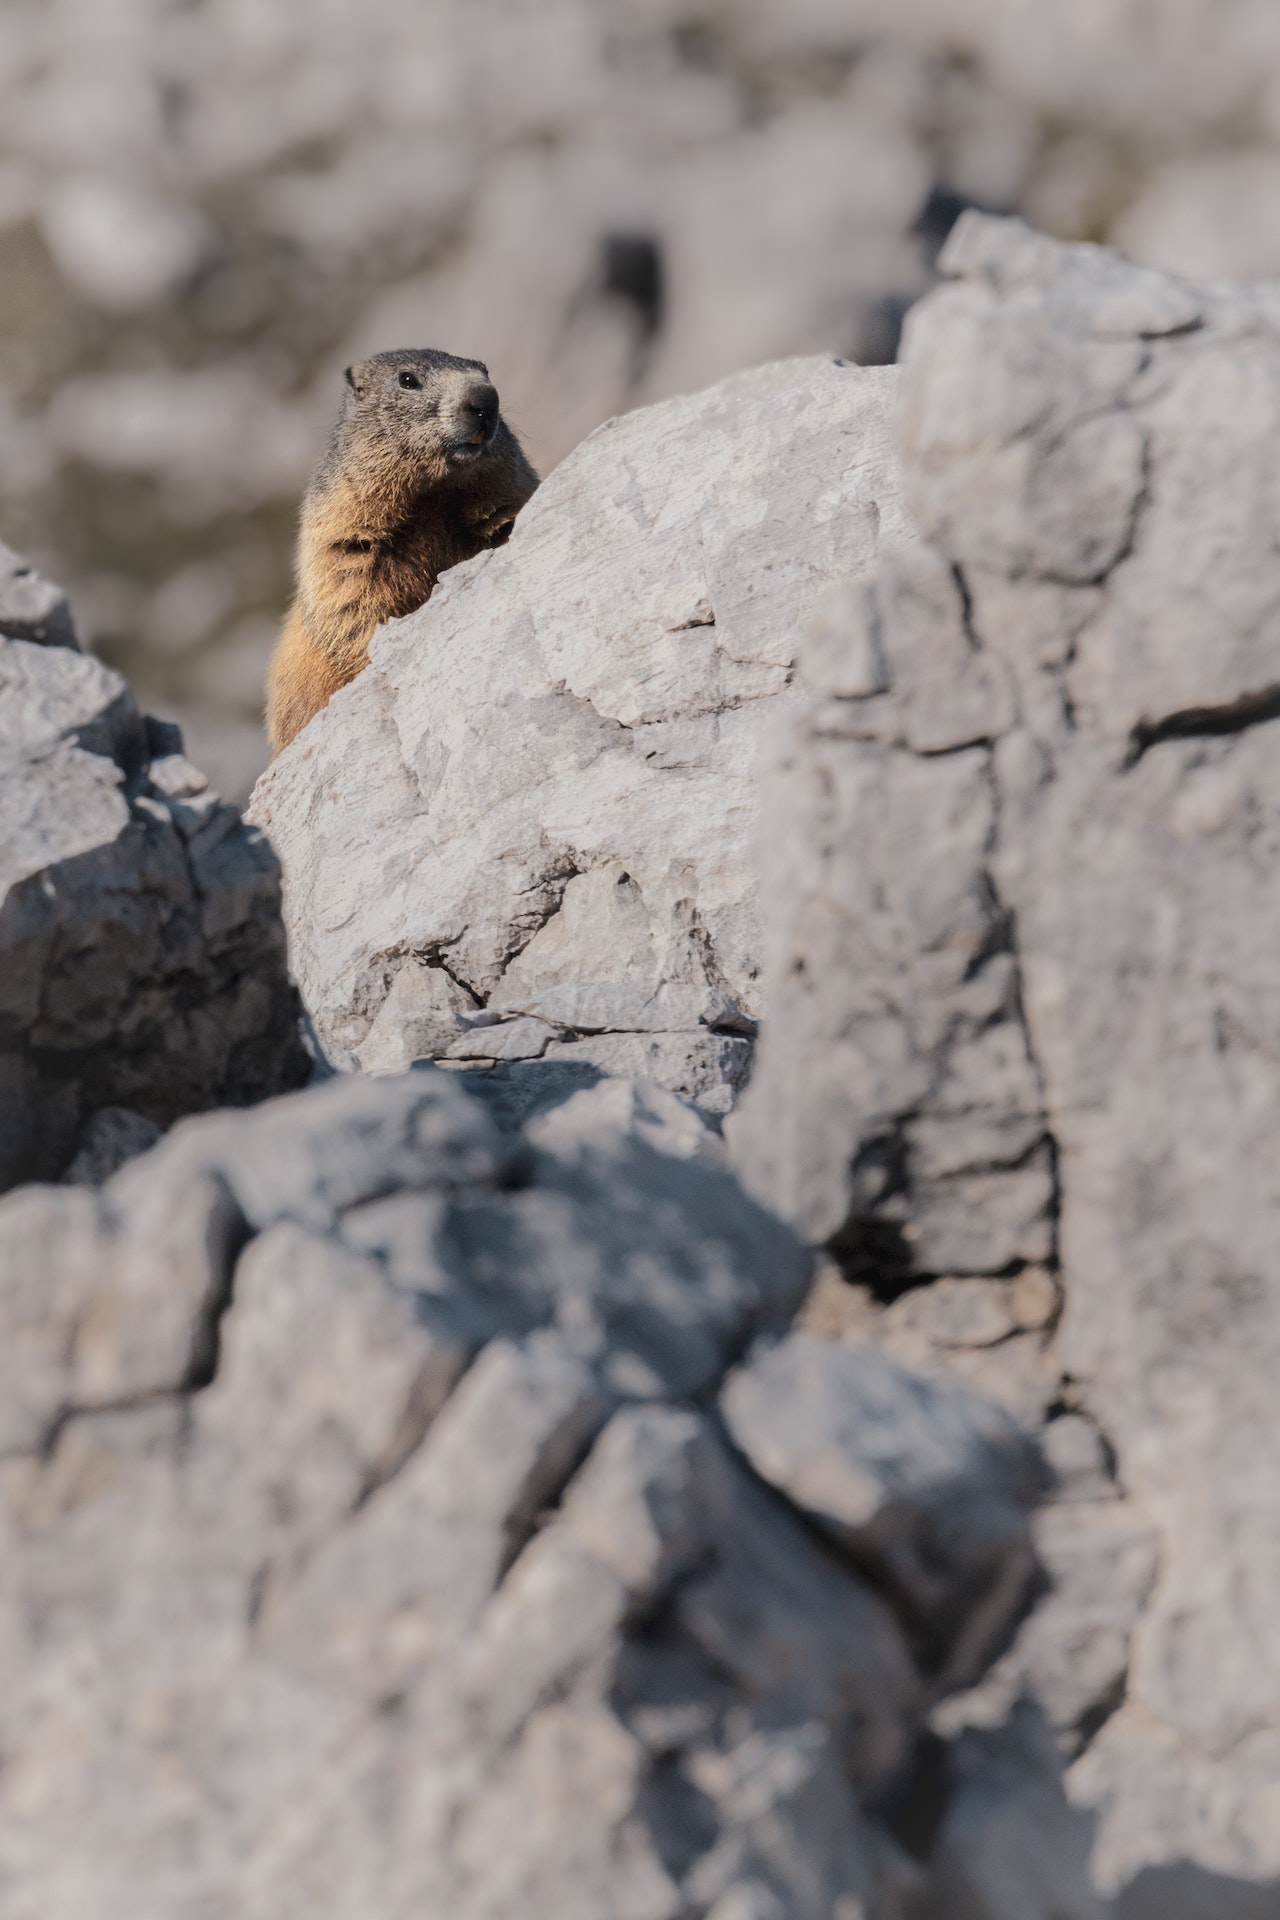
[[208, 206]]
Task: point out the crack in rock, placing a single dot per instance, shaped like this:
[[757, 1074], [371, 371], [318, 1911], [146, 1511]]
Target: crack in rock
[[1235, 716]]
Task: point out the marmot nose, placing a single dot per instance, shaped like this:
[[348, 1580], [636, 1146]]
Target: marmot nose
[[480, 411]]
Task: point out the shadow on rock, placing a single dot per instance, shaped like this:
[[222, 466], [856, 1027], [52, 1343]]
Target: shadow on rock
[[1187, 1892]]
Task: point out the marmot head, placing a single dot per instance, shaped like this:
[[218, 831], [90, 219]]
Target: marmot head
[[442, 410]]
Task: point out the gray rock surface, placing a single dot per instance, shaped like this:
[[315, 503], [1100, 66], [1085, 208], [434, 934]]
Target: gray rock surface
[[522, 833], [411, 1496], [32, 608], [1098, 1562], [990, 1334], [142, 961], [111, 1137], [1009, 1845], [370, 1546], [925, 1485], [1020, 848]]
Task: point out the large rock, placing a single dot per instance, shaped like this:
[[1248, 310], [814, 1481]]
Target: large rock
[[1020, 844], [1009, 1845], [370, 1544], [522, 832], [142, 962], [926, 1486]]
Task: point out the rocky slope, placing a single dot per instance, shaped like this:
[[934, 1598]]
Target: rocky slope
[[446, 1491], [372, 1541]]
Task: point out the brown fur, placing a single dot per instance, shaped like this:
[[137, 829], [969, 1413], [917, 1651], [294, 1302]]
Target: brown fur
[[415, 480]]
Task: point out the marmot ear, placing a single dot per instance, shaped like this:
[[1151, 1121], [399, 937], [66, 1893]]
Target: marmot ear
[[350, 377]]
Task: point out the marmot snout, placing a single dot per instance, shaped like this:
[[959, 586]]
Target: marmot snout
[[422, 471]]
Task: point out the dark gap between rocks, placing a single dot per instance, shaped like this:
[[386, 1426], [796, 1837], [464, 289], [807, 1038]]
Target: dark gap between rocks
[[235, 1234], [632, 269], [1099, 1711], [913, 1806]]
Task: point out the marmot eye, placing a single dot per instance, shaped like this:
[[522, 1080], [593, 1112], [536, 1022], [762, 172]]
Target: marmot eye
[[409, 379]]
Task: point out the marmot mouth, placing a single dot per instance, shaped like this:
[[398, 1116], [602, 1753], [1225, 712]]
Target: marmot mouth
[[466, 450]]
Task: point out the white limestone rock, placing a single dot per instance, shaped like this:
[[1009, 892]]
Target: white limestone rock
[[924, 1484], [542, 787], [142, 961], [31, 607], [368, 1546], [1022, 979]]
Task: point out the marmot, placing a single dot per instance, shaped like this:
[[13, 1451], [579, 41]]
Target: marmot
[[421, 472]]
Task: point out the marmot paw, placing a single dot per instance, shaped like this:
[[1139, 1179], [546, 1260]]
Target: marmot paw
[[494, 527]]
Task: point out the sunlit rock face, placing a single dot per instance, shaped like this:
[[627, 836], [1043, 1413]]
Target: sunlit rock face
[[1021, 984], [524, 832], [374, 1450]]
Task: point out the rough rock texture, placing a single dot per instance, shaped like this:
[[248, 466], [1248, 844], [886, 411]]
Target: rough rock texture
[[1022, 844], [142, 961], [927, 1485], [414, 1495], [32, 608], [1008, 1844], [522, 833], [372, 1545]]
